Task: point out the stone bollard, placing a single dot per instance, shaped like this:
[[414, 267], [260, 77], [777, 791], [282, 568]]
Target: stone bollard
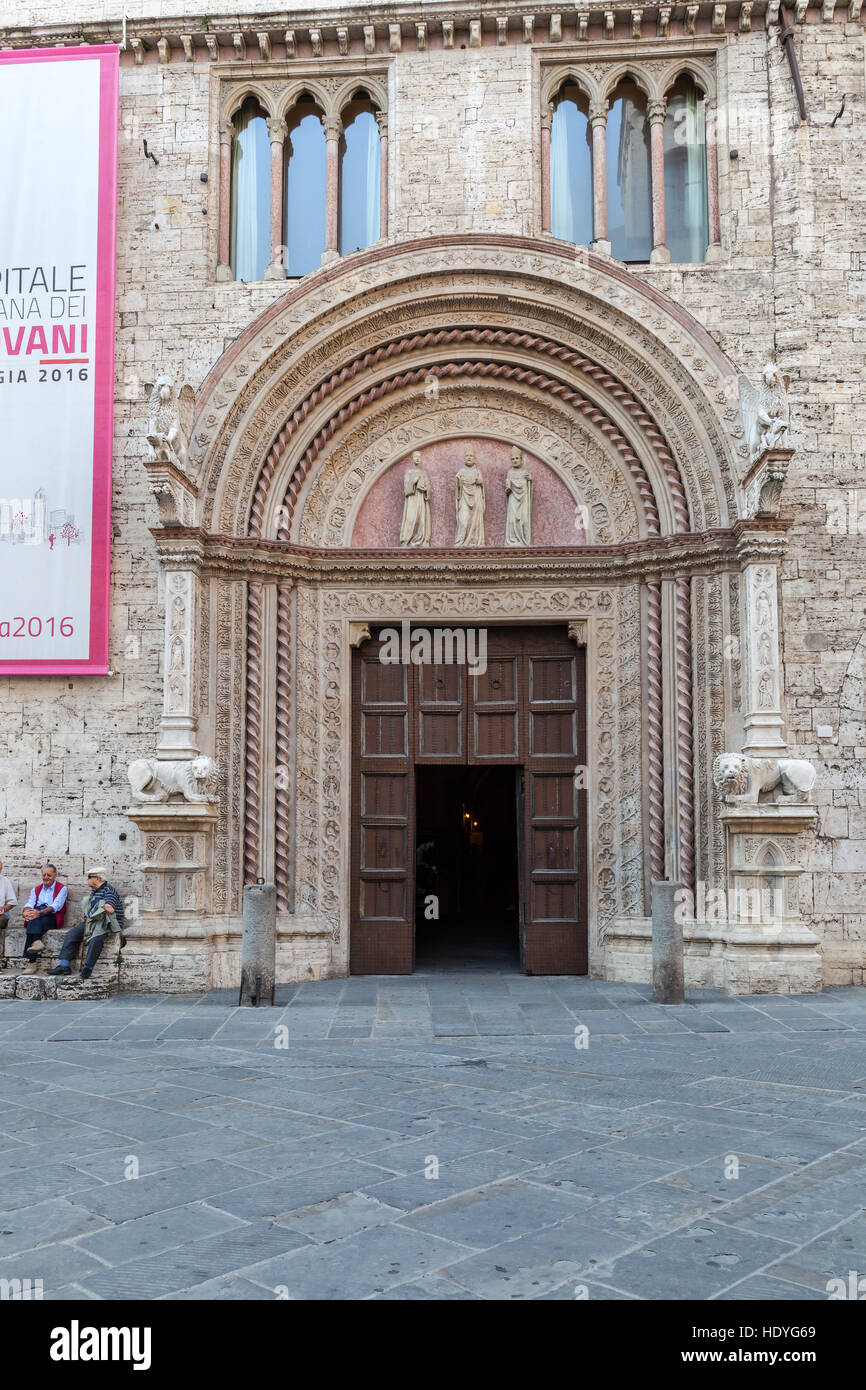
[[668, 987], [259, 946]]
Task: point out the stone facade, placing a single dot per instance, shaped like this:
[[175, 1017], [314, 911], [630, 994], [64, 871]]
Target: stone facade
[[230, 632]]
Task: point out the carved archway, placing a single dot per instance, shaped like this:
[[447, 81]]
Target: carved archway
[[611, 385]]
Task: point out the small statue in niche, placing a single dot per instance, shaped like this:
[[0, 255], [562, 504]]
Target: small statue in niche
[[415, 529], [518, 509], [470, 502], [169, 425], [764, 410]]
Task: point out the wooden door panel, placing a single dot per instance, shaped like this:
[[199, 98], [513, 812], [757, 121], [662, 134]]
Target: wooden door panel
[[440, 736], [553, 734], [555, 931], [441, 724], [383, 847], [385, 795], [382, 929], [554, 848], [384, 735], [527, 708]]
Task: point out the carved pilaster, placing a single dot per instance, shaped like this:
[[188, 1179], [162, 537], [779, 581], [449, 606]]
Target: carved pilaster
[[178, 734], [762, 695]]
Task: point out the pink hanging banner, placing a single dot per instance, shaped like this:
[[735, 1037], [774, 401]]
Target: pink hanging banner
[[58, 206]]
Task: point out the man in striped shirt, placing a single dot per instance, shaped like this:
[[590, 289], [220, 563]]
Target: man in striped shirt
[[102, 895]]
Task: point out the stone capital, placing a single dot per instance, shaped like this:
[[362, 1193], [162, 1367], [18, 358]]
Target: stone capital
[[332, 126], [277, 129], [598, 113], [657, 110], [382, 123]]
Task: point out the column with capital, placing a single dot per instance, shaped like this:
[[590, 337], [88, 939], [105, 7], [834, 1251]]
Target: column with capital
[[333, 128], [546, 124], [277, 131], [224, 270], [656, 111], [598, 121], [382, 123]]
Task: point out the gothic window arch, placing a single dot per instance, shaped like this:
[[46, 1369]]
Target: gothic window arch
[[360, 176], [571, 165], [305, 187], [685, 170], [629, 173], [629, 158], [249, 251]]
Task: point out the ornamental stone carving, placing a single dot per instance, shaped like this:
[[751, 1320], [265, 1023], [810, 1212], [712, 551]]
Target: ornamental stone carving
[[740, 780], [470, 503], [415, 528], [155, 780], [518, 512], [170, 422], [764, 410]]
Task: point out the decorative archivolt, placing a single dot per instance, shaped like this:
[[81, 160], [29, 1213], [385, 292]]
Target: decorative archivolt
[[598, 82], [648, 366], [278, 98], [578, 453]]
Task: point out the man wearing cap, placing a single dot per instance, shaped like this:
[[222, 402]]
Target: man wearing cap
[[45, 910], [103, 913]]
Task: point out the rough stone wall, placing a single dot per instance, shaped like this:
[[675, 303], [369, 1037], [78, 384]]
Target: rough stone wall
[[463, 150]]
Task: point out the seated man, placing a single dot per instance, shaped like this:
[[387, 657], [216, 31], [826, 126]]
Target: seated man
[[103, 912], [45, 910], [8, 900]]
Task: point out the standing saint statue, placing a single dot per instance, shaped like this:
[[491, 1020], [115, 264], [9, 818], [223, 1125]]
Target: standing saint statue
[[518, 511], [470, 502], [415, 529]]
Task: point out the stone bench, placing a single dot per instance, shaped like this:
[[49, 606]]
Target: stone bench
[[12, 952]]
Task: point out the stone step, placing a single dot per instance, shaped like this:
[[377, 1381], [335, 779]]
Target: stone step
[[15, 985], [12, 952]]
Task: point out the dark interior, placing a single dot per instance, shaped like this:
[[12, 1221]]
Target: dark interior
[[466, 855]]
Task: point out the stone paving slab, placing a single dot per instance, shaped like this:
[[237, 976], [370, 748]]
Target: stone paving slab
[[309, 1171]]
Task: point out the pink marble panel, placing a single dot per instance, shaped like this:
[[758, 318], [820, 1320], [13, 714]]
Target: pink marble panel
[[553, 507]]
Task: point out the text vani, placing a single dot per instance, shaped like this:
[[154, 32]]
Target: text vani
[[69, 339]]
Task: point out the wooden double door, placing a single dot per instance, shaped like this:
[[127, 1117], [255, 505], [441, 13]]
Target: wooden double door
[[527, 710]]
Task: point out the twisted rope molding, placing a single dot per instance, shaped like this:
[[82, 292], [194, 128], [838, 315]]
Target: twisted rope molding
[[685, 742], [479, 336], [282, 824], [494, 370], [655, 731], [253, 732]]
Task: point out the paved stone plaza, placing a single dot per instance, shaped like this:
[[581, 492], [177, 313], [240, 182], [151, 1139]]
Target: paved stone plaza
[[285, 1152]]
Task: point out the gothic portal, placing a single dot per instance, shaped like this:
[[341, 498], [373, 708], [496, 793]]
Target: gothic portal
[[477, 434]]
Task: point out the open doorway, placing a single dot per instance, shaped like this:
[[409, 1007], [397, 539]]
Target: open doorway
[[467, 881]]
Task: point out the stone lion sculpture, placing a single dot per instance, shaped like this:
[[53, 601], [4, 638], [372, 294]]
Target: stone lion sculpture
[[740, 779], [154, 780]]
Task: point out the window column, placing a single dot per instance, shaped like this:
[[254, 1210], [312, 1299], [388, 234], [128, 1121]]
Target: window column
[[714, 250], [277, 130], [656, 111], [333, 128], [382, 123], [224, 270], [598, 121], [546, 123]]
